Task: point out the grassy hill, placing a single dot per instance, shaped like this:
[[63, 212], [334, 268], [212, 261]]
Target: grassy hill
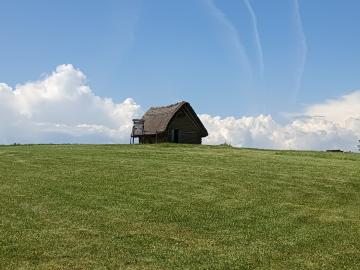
[[177, 207]]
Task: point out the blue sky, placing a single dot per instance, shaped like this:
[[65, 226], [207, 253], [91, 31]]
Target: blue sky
[[228, 58], [163, 51]]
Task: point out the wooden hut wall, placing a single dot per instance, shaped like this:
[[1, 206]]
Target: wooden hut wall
[[159, 138], [189, 132]]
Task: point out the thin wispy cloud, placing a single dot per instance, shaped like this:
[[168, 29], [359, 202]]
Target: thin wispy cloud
[[257, 39], [302, 54], [232, 33]]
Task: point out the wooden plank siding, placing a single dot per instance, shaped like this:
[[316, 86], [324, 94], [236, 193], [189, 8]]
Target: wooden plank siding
[[189, 132]]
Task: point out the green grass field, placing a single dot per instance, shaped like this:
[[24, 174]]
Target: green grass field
[[177, 207]]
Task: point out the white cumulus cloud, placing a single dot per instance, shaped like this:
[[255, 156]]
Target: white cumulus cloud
[[341, 110], [334, 124], [61, 108]]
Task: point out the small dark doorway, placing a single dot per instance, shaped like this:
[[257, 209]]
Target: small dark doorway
[[176, 136]]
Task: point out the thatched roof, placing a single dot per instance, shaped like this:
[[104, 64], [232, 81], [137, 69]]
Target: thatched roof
[[157, 119]]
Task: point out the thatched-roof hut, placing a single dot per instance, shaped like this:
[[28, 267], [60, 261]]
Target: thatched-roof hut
[[176, 123]]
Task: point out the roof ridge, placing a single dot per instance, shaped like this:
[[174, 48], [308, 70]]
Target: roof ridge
[[168, 106]]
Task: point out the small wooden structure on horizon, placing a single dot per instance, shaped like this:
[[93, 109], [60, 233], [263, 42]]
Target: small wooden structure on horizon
[[177, 123]]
